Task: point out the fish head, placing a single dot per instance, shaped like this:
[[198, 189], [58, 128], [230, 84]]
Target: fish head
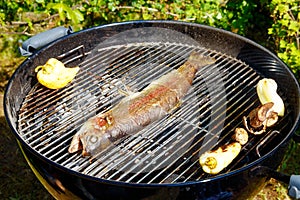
[[95, 142], [92, 137]]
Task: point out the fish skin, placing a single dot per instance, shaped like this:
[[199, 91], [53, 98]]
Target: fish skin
[[139, 109]]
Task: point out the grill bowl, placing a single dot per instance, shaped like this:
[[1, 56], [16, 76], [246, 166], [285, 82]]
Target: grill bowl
[[64, 181]]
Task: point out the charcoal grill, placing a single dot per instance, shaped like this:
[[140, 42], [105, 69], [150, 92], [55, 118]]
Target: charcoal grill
[[162, 159]]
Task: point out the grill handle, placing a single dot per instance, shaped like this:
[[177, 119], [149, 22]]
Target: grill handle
[[293, 181], [42, 39], [294, 186]]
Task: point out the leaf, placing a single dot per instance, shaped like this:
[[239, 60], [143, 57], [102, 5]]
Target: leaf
[[294, 25], [271, 31], [283, 9], [104, 15], [282, 44], [66, 11], [284, 22], [59, 7], [111, 6], [78, 15], [219, 16], [283, 56], [146, 16]]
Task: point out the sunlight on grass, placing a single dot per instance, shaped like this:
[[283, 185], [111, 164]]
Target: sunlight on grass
[[10, 59]]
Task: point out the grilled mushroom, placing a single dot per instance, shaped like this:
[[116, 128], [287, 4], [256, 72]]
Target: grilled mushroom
[[240, 135], [260, 118]]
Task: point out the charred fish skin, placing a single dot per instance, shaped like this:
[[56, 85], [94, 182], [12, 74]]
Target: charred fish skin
[[139, 109]]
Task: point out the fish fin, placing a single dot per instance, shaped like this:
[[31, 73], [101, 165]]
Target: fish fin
[[199, 60], [175, 107], [127, 91]]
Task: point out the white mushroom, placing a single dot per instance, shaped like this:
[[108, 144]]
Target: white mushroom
[[260, 118]]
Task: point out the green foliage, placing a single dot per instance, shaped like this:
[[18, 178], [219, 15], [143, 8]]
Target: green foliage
[[230, 15], [286, 31], [233, 16], [65, 11]]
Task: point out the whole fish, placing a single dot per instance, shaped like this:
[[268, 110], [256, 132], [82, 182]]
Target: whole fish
[[136, 111]]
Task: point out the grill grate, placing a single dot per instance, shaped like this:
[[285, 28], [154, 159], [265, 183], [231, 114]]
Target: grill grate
[[166, 151]]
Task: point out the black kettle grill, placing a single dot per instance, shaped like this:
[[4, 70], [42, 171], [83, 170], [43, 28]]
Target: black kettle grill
[[161, 161]]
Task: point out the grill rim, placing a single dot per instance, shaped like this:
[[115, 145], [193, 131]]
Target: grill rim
[[135, 24]]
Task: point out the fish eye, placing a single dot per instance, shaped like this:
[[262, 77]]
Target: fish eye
[[93, 139]]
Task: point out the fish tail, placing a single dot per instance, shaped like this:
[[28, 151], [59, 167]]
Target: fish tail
[[199, 60]]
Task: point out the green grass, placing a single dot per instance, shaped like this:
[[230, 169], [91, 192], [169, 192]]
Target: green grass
[[9, 58]]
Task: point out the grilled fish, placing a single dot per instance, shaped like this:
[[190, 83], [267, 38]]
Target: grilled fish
[[136, 111]]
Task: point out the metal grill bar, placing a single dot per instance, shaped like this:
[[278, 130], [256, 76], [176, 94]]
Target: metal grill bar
[[168, 150]]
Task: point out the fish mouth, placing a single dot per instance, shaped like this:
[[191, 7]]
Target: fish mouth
[[75, 145]]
